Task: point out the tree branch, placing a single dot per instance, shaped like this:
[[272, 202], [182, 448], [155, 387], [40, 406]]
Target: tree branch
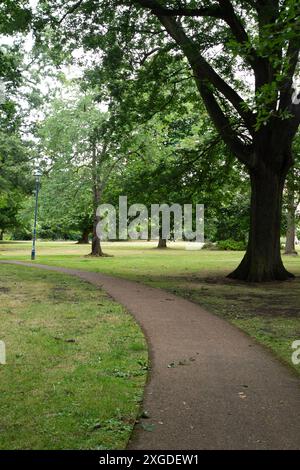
[[203, 70], [235, 24], [213, 10], [292, 57], [70, 11], [224, 127], [224, 11], [149, 54]]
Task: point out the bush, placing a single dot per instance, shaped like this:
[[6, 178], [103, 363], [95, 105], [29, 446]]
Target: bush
[[231, 245]]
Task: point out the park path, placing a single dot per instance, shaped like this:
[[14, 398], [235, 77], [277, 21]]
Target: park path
[[210, 385]]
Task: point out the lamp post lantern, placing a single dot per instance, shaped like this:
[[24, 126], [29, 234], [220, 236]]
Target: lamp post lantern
[[37, 173]]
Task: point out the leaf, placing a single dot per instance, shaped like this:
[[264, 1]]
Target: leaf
[[148, 427]]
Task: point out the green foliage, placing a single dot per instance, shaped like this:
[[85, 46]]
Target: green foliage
[[15, 16], [15, 180], [231, 245]]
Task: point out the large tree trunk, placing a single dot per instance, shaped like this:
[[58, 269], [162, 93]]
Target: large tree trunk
[[262, 261], [84, 239], [290, 219]]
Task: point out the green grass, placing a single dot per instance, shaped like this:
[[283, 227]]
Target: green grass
[[269, 312], [76, 364]]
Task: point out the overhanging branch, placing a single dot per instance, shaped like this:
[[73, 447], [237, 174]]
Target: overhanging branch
[[203, 70], [213, 10], [223, 125], [70, 11]]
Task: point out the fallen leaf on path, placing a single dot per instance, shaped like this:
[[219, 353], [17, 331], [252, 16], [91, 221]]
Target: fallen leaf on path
[[148, 427]]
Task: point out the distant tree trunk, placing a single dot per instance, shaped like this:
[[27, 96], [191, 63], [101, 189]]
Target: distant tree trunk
[[84, 239], [1, 235], [290, 218], [162, 243], [149, 230], [262, 261], [96, 243]]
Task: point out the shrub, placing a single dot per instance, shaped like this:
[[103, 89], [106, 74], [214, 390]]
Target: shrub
[[231, 245]]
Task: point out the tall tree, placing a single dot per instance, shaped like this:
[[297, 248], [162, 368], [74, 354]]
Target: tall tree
[[14, 151], [80, 141], [66, 201], [223, 42]]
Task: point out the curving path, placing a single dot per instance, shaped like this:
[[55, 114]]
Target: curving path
[[210, 386]]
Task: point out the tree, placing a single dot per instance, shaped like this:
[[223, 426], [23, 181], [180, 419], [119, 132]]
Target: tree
[[177, 158], [81, 142], [15, 181], [66, 202], [217, 39]]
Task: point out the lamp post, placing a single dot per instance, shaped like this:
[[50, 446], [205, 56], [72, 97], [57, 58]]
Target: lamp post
[[37, 173]]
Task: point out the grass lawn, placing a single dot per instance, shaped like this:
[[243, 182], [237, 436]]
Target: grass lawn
[[76, 364], [269, 312]]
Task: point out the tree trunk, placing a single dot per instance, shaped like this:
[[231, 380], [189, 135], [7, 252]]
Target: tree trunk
[[262, 261], [1, 235], [162, 243], [96, 243], [290, 219], [84, 239], [290, 233]]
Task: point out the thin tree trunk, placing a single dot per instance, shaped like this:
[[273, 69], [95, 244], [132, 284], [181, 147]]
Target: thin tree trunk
[[290, 218], [290, 233], [96, 243], [262, 261], [1, 235], [162, 243]]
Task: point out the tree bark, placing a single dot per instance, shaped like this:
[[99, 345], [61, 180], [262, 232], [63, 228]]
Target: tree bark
[[84, 239], [96, 243], [162, 243], [262, 261], [291, 225]]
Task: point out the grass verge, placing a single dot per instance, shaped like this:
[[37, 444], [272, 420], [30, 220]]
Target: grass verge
[[76, 364]]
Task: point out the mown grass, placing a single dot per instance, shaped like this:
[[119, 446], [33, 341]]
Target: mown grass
[[269, 312], [76, 364]]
